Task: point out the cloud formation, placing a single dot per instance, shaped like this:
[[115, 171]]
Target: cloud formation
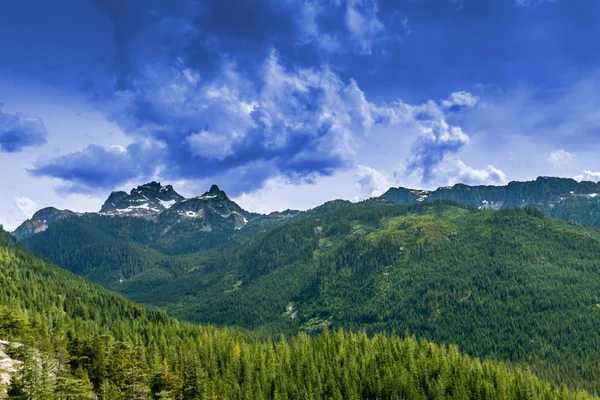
[[97, 167], [371, 182], [560, 158], [460, 100], [452, 170], [363, 23], [19, 131], [297, 123], [26, 205], [587, 175], [438, 140]]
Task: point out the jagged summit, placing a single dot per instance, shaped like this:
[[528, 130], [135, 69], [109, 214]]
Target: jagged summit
[[213, 192], [213, 207], [146, 200], [158, 203]]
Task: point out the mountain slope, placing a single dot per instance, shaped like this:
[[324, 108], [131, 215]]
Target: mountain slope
[[40, 221], [71, 331], [510, 284]]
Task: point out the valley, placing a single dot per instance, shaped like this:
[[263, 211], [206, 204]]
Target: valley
[[510, 284]]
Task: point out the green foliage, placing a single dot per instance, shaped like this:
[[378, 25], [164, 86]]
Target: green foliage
[[83, 342], [511, 285]]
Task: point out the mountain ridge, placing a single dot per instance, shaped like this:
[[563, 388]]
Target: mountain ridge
[[152, 202], [562, 198]]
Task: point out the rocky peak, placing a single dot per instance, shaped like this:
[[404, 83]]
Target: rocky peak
[[215, 191], [40, 221], [146, 200], [213, 208]]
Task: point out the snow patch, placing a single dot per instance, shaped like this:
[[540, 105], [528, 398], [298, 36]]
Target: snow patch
[[421, 195], [167, 204], [191, 214]]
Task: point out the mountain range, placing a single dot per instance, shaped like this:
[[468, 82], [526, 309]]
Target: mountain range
[[558, 197], [456, 265]]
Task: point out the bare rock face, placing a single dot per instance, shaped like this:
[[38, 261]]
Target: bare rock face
[[213, 208], [147, 200], [8, 367]]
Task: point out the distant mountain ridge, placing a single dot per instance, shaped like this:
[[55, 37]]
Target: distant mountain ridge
[[156, 203], [561, 198]]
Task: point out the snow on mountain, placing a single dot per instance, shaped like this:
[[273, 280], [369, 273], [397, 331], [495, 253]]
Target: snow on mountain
[[146, 201]]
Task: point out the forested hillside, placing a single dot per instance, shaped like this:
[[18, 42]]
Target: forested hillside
[[79, 341], [513, 284]]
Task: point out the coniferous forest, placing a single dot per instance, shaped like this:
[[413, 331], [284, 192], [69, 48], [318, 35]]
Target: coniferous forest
[[366, 300], [76, 340], [510, 285], [299, 200]]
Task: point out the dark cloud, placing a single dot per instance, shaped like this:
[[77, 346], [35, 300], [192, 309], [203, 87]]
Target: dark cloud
[[98, 167], [19, 131], [294, 123], [200, 81]]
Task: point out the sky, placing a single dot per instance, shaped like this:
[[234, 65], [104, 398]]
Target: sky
[[291, 103]]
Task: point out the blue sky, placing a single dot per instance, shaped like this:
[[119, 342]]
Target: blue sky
[[290, 103]]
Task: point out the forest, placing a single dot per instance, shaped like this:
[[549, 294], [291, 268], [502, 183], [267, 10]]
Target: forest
[[511, 285], [77, 340]]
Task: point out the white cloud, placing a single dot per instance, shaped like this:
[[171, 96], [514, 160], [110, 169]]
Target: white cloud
[[363, 23], [279, 193], [560, 158], [27, 206], [209, 145], [590, 176], [371, 182], [460, 99], [452, 170]]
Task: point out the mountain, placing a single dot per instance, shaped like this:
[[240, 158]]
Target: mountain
[[142, 231], [75, 340], [510, 284], [155, 203], [558, 197], [153, 216], [147, 200], [40, 221]]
